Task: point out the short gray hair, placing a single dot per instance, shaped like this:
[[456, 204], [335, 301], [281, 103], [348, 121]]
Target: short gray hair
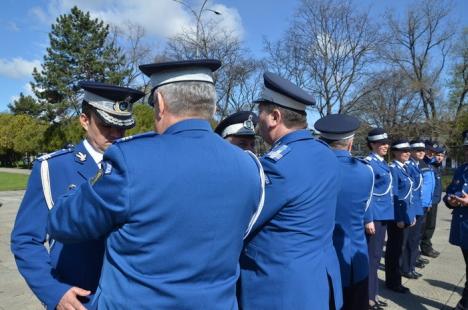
[[338, 144], [195, 99]]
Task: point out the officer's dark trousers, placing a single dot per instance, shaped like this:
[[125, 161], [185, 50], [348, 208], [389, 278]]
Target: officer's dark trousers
[[464, 300], [395, 241], [411, 246], [356, 296], [375, 244], [429, 228]]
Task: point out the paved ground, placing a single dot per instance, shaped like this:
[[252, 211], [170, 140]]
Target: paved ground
[[439, 288], [16, 170]]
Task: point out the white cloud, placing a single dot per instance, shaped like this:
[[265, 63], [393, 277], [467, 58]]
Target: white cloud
[[17, 68], [161, 18]]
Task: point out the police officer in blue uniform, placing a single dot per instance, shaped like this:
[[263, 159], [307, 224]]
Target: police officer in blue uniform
[[356, 180], [411, 247], [63, 276], [430, 198], [380, 210], [435, 155], [174, 207], [289, 261], [239, 129], [404, 215], [456, 198]]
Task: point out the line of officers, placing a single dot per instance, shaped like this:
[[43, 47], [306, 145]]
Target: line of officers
[[183, 218]]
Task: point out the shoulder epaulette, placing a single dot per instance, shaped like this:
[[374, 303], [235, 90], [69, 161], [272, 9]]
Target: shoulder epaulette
[[137, 136], [278, 152], [369, 158], [362, 160], [55, 154]]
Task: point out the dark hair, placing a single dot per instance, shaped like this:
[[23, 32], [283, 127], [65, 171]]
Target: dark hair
[[291, 118], [87, 109]]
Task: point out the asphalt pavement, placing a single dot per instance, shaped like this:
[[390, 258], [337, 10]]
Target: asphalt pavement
[[439, 288]]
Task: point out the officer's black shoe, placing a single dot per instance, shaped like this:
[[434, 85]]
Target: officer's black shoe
[[381, 303], [417, 274], [431, 253], [419, 265], [409, 275], [399, 289], [423, 260]]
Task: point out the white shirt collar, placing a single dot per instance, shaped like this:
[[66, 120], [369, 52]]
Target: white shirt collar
[[94, 154], [378, 157], [399, 163]]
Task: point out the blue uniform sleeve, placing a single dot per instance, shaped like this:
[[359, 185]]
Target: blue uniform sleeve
[[427, 190], [454, 186], [96, 207], [275, 193], [369, 216], [399, 205], [27, 244]]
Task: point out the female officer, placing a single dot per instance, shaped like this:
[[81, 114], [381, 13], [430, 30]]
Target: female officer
[[457, 199], [380, 210], [404, 215]]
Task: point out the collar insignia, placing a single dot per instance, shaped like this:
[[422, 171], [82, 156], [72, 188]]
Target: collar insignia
[[81, 156]]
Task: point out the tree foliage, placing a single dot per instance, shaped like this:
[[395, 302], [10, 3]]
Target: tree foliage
[[328, 49], [80, 49], [26, 105]]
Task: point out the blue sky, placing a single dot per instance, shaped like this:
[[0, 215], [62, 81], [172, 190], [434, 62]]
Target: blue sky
[[24, 26]]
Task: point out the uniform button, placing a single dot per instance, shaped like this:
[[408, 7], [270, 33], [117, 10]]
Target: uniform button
[[461, 215]]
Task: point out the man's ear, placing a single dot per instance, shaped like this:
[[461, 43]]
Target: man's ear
[[161, 105], [276, 116], [84, 121]]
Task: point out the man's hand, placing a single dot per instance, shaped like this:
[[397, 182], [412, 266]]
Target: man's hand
[[70, 300], [461, 201], [370, 228], [453, 201], [400, 225]]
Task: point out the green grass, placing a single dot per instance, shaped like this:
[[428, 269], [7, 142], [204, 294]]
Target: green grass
[[12, 181]]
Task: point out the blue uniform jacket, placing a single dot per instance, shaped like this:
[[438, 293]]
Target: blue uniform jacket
[[349, 239], [437, 195], [287, 260], [51, 275], [417, 178], [381, 206], [402, 190], [459, 226], [175, 208], [428, 182]]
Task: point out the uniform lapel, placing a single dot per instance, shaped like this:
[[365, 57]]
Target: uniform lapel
[[85, 165]]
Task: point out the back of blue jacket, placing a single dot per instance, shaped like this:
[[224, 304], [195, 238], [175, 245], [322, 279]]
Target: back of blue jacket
[[287, 261], [176, 207], [348, 237]]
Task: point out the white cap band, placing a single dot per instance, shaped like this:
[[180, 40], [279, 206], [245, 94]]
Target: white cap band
[[418, 145], [237, 129], [337, 136], [282, 100], [405, 145], [200, 74], [377, 137]]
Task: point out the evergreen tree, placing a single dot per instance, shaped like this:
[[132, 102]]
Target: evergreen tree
[[80, 49], [26, 105]]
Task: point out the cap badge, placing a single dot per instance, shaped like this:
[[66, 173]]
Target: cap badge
[[81, 156], [248, 124]]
